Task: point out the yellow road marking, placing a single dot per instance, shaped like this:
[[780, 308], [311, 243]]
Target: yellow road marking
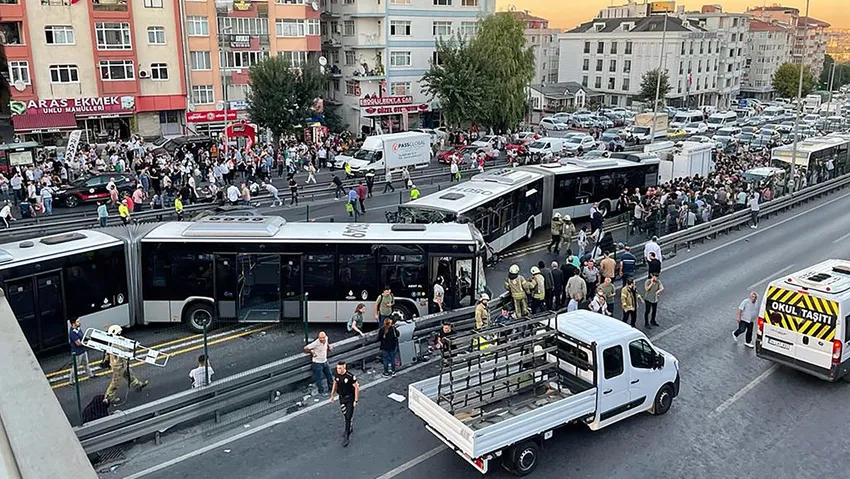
[[173, 353]]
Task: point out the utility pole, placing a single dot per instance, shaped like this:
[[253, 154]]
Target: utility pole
[[658, 81], [799, 105]]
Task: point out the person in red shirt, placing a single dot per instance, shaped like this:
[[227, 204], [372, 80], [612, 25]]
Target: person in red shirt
[[131, 205], [361, 196]]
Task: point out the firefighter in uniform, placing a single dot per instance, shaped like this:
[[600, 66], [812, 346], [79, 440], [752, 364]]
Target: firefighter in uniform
[[482, 314], [557, 229], [516, 285], [568, 231], [537, 287], [120, 371]]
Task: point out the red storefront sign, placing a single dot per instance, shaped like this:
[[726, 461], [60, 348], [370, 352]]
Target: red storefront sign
[[386, 101], [91, 106], [209, 116], [394, 110]]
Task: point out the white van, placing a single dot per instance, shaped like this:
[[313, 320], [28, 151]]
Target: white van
[[546, 145], [719, 120], [773, 112], [682, 118], [804, 319]]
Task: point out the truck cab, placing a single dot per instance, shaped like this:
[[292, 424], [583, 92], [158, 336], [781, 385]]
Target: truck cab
[[391, 151]]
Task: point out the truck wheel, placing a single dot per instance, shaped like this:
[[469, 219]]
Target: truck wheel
[[525, 458], [663, 400]]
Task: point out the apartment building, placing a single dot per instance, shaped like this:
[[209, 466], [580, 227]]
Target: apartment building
[[544, 41], [378, 51], [611, 55], [769, 46], [732, 31], [810, 34], [108, 68]]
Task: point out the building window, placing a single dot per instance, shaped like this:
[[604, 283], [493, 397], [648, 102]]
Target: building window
[[243, 26], [399, 2], [200, 60], [441, 29], [625, 84], [19, 71], [599, 65], [197, 26], [64, 74], [400, 88], [442, 3], [584, 81], [400, 28], [585, 65], [400, 59], [468, 3], [468, 29], [59, 35], [613, 48], [691, 49], [159, 71], [612, 67], [701, 46], [10, 33], [291, 2], [294, 58], [117, 70], [600, 47], [350, 57], [435, 59], [348, 28], [289, 27], [156, 35], [627, 66], [352, 88], [610, 83], [683, 48], [597, 83], [113, 36], [586, 47], [241, 59], [203, 94], [153, 3]]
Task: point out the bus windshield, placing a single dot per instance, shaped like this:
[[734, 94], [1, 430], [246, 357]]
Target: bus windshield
[[410, 214]]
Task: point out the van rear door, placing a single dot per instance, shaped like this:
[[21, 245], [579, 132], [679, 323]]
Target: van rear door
[[800, 326]]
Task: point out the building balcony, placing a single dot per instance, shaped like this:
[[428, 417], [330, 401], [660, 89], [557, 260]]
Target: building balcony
[[109, 5], [365, 41], [334, 41]]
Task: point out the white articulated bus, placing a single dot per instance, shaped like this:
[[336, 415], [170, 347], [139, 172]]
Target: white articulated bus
[[245, 269], [508, 205]]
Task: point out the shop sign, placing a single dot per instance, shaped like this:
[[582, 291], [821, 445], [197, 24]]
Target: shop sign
[[90, 106], [395, 110], [386, 101], [242, 5], [238, 105], [209, 116]]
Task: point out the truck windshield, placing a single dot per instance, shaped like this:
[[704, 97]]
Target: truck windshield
[[640, 130], [715, 121], [367, 155]]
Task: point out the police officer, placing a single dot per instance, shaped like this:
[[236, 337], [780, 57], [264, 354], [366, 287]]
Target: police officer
[[537, 286], [516, 285], [556, 228], [346, 385], [482, 313]]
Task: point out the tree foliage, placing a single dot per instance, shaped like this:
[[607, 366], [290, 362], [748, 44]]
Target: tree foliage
[[648, 84], [483, 79], [282, 97], [786, 80], [840, 78]]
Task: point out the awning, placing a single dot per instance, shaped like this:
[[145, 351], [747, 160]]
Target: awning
[[44, 122]]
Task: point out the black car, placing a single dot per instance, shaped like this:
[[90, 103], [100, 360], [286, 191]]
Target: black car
[[93, 188], [170, 146]]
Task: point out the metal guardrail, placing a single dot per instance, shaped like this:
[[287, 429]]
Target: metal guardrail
[[253, 386]]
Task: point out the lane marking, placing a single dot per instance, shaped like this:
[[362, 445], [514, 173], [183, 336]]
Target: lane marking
[[175, 353], [262, 427], [413, 462], [752, 287], [842, 238], [744, 390], [666, 332], [748, 236]]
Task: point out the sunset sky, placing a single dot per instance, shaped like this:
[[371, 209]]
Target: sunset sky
[[569, 13]]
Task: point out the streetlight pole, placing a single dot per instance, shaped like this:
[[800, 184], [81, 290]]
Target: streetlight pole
[[799, 107], [221, 67], [658, 81]]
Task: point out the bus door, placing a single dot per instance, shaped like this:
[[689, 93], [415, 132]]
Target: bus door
[[225, 285], [458, 280], [258, 287], [584, 196], [39, 305], [291, 288]]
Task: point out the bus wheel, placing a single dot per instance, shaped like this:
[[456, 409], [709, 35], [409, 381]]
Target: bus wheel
[[198, 316], [529, 230], [402, 313], [604, 208]]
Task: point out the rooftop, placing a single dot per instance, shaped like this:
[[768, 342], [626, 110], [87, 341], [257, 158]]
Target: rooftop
[[562, 90], [812, 22], [760, 26], [653, 23]]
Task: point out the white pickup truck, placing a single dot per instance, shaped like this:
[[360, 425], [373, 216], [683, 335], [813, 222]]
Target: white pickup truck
[[503, 401]]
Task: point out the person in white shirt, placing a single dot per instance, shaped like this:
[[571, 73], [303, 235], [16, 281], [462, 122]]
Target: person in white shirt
[[453, 169], [753, 203], [202, 375], [233, 194], [573, 304], [318, 350], [598, 305], [274, 192], [6, 213], [652, 247]]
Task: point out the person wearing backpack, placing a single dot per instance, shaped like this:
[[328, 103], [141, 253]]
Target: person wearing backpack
[[384, 306], [355, 323], [388, 339]]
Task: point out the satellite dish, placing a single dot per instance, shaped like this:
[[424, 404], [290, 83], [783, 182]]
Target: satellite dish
[[315, 6], [21, 86], [323, 61]]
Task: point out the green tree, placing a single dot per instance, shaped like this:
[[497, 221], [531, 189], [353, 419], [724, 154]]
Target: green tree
[[648, 84], [455, 81], [282, 96], [840, 78], [823, 81], [507, 67], [786, 80]]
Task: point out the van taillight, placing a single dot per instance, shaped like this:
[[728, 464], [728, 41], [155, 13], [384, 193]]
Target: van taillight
[[761, 326], [836, 351]]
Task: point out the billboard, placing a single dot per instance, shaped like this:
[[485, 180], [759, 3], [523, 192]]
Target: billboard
[[662, 7]]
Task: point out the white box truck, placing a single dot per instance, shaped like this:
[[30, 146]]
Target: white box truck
[[642, 128], [389, 152], [502, 391], [688, 159]]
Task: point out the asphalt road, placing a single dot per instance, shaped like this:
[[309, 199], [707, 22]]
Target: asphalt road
[[736, 416]]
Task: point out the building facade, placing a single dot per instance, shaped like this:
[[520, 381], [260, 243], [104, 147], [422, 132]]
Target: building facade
[[769, 46], [611, 57], [544, 41], [378, 51], [732, 31], [108, 68], [810, 34]]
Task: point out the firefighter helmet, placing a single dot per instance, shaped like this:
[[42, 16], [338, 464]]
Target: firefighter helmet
[[514, 269]]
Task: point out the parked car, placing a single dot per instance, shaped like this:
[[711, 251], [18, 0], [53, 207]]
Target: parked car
[[93, 188], [527, 136], [573, 143], [695, 128], [746, 138], [676, 133], [550, 123]]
